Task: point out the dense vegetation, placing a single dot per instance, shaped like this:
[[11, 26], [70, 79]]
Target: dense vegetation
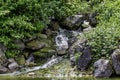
[[105, 38], [20, 19]]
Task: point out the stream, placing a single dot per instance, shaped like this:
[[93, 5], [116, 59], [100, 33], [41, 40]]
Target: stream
[[26, 70]]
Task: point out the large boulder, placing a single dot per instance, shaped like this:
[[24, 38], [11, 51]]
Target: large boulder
[[116, 61], [103, 68], [13, 65], [72, 22], [35, 45], [84, 59]]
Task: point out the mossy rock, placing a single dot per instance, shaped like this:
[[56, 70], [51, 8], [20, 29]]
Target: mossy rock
[[20, 60], [42, 36], [35, 44]]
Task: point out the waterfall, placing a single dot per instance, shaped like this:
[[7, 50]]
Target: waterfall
[[61, 41]]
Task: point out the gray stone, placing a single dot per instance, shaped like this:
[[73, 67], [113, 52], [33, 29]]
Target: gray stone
[[3, 48], [13, 65], [103, 68], [72, 58], [20, 45], [30, 58], [3, 69], [85, 59], [86, 24], [2, 57], [79, 44], [72, 22], [116, 61]]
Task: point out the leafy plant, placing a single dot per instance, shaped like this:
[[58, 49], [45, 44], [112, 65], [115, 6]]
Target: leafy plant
[[105, 38]]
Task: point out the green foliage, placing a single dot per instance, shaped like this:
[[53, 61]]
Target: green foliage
[[21, 19], [105, 38]]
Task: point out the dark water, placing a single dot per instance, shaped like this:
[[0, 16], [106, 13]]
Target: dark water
[[30, 78]]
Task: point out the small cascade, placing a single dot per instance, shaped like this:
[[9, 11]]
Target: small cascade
[[48, 64], [61, 42]]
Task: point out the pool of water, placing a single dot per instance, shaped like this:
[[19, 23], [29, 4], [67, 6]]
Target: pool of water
[[38, 78]]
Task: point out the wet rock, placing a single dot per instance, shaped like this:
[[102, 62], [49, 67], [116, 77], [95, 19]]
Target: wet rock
[[20, 44], [85, 59], [72, 22], [35, 45], [116, 61], [72, 40], [72, 58], [3, 69], [103, 68], [13, 65]]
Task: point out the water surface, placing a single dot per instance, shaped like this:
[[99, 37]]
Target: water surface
[[39, 78]]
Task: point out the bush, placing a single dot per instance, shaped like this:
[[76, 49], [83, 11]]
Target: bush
[[21, 19], [105, 38]]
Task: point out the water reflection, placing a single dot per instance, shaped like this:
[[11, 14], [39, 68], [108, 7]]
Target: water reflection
[[65, 78]]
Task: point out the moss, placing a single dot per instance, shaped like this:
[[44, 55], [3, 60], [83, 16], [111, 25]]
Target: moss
[[20, 59]]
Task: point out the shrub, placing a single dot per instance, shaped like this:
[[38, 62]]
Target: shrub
[[105, 38], [21, 19]]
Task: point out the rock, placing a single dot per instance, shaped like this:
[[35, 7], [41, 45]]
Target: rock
[[49, 32], [35, 45], [20, 45], [3, 69], [86, 30], [2, 57], [13, 65], [54, 25], [3, 48], [42, 36], [79, 44], [30, 61], [72, 40], [72, 58], [116, 61], [85, 24], [85, 59], [72, 22], [20, 59], [31, 74], [103, 68], [92, 19]]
